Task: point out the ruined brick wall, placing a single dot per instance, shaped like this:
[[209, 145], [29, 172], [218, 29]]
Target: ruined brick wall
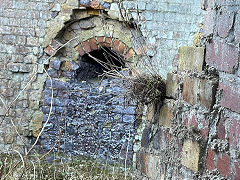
[[166, 25], [195, 134], [28, 28], [22, 28]]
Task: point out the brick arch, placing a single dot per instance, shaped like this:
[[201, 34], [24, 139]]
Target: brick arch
[[114, 44]]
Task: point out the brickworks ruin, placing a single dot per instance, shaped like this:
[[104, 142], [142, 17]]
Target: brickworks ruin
[[53, 87]]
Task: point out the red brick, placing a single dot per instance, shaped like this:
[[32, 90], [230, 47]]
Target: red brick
[[93, 44], [116, 44], [192, 119], [222, 56], [121, 48], [95, 4], [210, 159], [56, 44], [80, 50], [223, 165], [237, 28], [130, 53], [234, 133], [209, 22], [86, 46], [101, 41], [190, 90], [108, 42], [231, 96], [49, 50], [204, 123], [224, 23], [237, 171], [221, 132], [207, 92]]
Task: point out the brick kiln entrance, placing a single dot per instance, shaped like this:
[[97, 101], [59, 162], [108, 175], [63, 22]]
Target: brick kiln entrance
[[90, 115]]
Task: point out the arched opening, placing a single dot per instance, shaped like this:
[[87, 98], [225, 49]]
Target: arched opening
[[95, 118], [99, 61]]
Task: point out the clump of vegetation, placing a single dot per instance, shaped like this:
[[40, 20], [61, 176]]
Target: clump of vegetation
[[145, 89], [60, 168]]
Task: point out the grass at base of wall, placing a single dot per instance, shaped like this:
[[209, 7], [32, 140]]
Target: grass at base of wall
[[58, 167]]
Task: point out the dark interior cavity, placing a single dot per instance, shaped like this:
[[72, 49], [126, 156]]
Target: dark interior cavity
[[99, 61]]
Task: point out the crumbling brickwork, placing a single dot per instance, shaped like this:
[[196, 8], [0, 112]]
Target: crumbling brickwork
[[196, 133], [166, 25], [27, 33]]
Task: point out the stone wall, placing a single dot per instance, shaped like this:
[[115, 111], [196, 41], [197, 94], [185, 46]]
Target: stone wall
[[89, 118], [31, 31], [166, 25], [23, 25], [195, 134]]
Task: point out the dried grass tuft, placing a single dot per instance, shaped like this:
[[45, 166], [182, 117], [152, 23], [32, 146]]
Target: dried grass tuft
[[146, 89]]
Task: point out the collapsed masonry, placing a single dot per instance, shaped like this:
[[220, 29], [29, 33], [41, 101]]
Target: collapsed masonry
[[195, 134]]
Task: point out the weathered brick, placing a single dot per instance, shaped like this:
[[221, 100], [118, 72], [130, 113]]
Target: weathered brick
[[210, 160], [70, 66], [32, 41], [80, 50], [222, 56], [172, 85], [166, 113], [108, 42], [146, 134], [236, 170], [160, 140], [25, 68], [190, 90], [237, 28], [191, 58], [86, 46], [9, 39], [121, 48], [30, 59], [13, 67], [55, 64], [194, 119], [223, 164], [56, 44], [130, 53], [224, 23], [101, 41], [147, 164], [116, 44], [231, 96], [221, 131], [209, 22], [49, 50], [150, 113], [190, 155], [93, 44], [234, 133], [207, 91]]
